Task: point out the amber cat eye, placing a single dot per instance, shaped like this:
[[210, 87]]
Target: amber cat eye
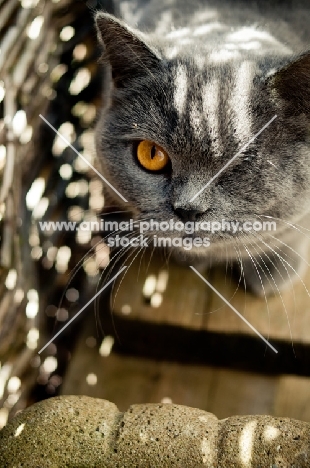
[[151, 156]]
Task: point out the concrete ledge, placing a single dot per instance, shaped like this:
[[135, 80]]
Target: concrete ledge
[[80, 432]]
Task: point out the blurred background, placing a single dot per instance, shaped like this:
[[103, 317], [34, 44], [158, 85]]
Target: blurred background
[[48, 65]]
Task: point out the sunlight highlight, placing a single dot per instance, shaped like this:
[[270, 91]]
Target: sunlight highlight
[[246, 442], [91, 379], [149, 286], [19, 430], [11, 279], [35, 27], [35, 193], [106, 346], [271, 433]]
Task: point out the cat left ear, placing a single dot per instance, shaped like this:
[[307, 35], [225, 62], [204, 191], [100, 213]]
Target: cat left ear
[[124, 49], [292, 84]]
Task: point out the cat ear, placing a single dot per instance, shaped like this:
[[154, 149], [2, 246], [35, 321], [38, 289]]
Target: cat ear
[[292, 84], [124, 49]]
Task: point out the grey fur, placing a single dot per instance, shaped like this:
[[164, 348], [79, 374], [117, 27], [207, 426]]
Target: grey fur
[[200, 79]]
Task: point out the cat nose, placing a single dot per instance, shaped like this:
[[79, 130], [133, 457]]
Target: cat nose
[[188, 214]]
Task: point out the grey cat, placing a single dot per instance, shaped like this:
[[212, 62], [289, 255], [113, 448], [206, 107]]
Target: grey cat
[[187, 85]]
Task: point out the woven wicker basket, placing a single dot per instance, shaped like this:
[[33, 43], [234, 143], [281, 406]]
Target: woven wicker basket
[[48, 65]]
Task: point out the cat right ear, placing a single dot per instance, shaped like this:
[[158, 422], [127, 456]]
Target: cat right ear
[[292, 84], [124, 49]]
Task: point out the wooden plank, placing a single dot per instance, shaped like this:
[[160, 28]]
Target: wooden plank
[[150, 280], [127, 380], [235, 392], [292, 397], [285, 317], [188, 302]]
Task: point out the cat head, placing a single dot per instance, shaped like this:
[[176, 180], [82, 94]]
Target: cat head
[[199, 114]]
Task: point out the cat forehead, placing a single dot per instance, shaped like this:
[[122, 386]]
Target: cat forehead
[[215, 101], [203, 87]]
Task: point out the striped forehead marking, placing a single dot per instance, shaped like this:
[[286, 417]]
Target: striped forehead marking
[[240, 100], [180, 89], [211, 110]]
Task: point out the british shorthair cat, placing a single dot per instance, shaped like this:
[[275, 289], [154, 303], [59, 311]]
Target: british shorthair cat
[[206, 118]]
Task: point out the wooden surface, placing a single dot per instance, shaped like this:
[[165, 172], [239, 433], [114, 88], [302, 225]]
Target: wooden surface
[[189, 302], [192, 349]]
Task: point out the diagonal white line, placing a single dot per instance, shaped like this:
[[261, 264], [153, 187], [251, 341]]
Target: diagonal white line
[[84, 159], [233, 158], [88, 303], [234, 310]]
